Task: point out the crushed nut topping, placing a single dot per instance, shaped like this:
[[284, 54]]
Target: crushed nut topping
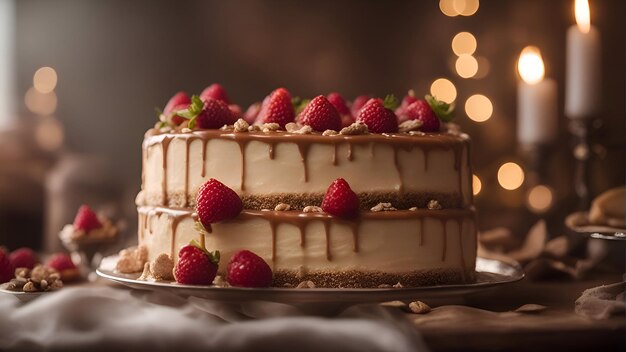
[[413, 208], [270, 127], [132, 260], [146, 275], [417, 133], [410, 125], [355, 129], [292, 127], [282, 207], [312, 209], [39, 279], [162, 267], [241, 126], [383, 207], [186, 130], [419, 307], [398, 285], [306, 129], [254, 128], [219, 281], [330, 133], [433, 205], [306, 284], [227, 128]]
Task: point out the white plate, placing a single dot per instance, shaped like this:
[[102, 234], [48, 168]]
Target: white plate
[[490, 273], [21, 295], [577, 223]]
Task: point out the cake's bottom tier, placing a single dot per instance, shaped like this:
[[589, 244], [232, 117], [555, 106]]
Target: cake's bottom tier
[[414, 248]]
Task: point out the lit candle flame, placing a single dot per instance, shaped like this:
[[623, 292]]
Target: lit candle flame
[[583, 17], [530, 65]]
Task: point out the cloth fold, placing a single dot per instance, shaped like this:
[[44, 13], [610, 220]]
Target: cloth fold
[[602, 302], [106, 318]]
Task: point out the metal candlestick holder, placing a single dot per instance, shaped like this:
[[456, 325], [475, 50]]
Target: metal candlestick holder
[[580, 128]]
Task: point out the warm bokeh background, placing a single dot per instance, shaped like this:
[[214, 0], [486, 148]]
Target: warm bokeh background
[[118, 60]]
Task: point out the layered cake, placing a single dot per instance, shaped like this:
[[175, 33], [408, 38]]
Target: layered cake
[[414, 223]]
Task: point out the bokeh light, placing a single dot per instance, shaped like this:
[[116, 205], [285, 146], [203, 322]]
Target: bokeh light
[[539, 198], [40, 103], [478, 108], [49, 134], [466, 66], [510, 176], [477, 185], [464, 43], [45, 80], [530, 65], [465, 7], [447, 8], [443, 89], [483, 67]]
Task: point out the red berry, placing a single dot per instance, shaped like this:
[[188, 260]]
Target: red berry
[[216, 202], [214, 115], [196, 266], [406, 101], [338, 102], [7, 270], [236, 113], [321, 115], [180, 98], [421, 110], [277, 108], [215, 91], [251, 114], [340, 200], [23, 258], [176, 119], [246, 269], [358, 103], [86, 219], [62, 263], [377, 117]]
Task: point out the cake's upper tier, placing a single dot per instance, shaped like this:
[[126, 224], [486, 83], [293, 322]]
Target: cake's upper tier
[[268, 168]]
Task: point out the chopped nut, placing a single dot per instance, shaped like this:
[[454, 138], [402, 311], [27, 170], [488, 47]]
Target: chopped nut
[[312, 209], [22, 272], [288, 285], [219, 281], [43, 285], [398, 285], [304, 130], [254, 128], [410, 125], [264, 209], [433, 205], [355, 129], [132, 259], [292, 127], [186, 130], [419, 307], [30, 287], [161, 267], [57, 284], [53, 277], [416, 133], [145, 274], [282, 207], [413, 208], [227, 128], [306, 284], [383, 207], [270, 127], [330, 133], [241, 126]]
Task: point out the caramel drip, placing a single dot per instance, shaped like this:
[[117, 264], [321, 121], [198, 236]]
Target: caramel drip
[[354, 226], [149, 226], [350, 156], [242, 148], [204, 145], [208, 228], [304, 152], [144, 157], [458, 155], [327, 232], [174, 223], [186, 189], [202, 239], [398, 165], [164, 146], [271, 151], [273, 227], [422, 227], [141, 226], [461, 231], [445, 240], [335, 154], [301, 227], [372, 150]]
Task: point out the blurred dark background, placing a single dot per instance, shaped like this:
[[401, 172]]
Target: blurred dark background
[[118, 60]]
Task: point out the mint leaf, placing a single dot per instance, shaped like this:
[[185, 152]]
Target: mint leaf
[[443, 110], [299, 104], [391, 102], [194, 109]]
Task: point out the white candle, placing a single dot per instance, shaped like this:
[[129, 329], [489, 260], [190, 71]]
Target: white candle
[[7, 62], [583, 88], [537, 113]]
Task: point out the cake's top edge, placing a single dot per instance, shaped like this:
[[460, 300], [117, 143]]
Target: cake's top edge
[[300, 215], [284, 136]]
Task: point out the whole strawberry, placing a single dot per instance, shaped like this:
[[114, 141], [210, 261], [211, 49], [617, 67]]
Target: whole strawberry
[[23, 258], [251, 114], [7, 270], [235, 112], [277, 108], [378, 116], [408, 99], [86, 219], [246, 269], [321, 115], [420, 110], [342, 108], [215, 91], [62, 263], [340, 200], [216, 202], [358, 103], [196, 265], [179, 101]]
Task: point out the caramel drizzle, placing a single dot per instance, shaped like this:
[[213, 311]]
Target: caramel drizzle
[[335, 154], [461, 232], [327, 233], [350, 155], [164, 146], [304, 152], [204, 145], [242, 148], [186, 189], [271, 150], [445, 240], [354, 226], [174, 224], [273, 227], [422, 226], [301, 227]]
